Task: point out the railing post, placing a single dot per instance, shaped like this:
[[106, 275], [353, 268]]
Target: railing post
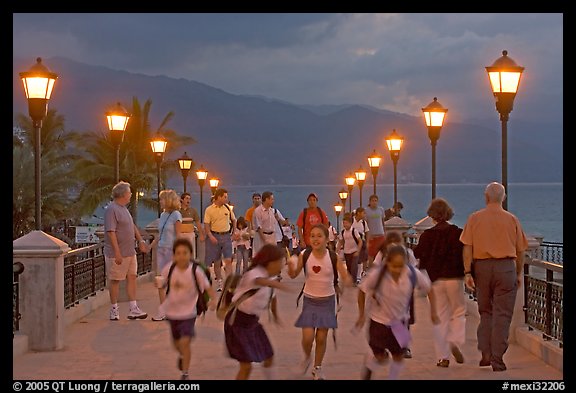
[[525, 282], [41, 289], [548, 311]]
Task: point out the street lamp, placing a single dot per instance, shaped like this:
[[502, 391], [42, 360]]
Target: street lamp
[[214, 184], [350, 180], [158, 145], [201, 174], [38, 83], [504, 75], [338, 208], [343, 195], [434, 115], [374, 163], [360, 177], [185, 164], [394, 143], [117, 118]]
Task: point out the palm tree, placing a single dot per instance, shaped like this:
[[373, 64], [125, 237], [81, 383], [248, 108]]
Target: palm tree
[[137, 165]]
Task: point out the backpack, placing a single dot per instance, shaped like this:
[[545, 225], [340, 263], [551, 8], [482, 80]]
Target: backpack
[[333, 259], [203, 297], [381, 277], [305, 211], [225, 303], [353, 235]]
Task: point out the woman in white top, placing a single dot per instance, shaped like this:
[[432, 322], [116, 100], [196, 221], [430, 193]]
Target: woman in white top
[[319, 305], [169, 228], [390, 291], [246, 339]]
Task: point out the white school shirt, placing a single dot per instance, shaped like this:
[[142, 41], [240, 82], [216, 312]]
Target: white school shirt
[[257, 303], [350, 246], [411, 258], [180, 303], [319, 276], [393, 297], [332, 234], [241, 242], [360, 225]]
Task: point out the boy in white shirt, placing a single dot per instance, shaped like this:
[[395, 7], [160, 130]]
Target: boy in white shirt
[[351, 243], [362, 227]]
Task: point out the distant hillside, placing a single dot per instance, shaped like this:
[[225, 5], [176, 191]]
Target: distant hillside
[[259, 140]]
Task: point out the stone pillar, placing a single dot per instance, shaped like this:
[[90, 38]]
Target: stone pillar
[[397, 224], [152, 229], [41, 289], [423, 224]]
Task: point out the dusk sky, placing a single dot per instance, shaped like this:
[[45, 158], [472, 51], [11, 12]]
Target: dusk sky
[[397, 62]]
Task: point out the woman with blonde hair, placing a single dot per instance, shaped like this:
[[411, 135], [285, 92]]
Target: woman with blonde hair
[[169, 229]]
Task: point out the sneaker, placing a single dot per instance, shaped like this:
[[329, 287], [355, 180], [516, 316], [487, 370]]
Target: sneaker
[[357, 281], [159, 317], [457, 354], [303, 366], [443, 363], [366, 373], [184, 377], [407, 353], [114, 314], [317, 374], [136, 313], [219, 288]]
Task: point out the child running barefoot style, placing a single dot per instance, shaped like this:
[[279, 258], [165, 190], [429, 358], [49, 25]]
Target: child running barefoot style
[[246, 339], [319, 304], [389, 287], [179, 306]]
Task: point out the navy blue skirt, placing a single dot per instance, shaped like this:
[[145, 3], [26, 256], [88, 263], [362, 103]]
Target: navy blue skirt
[[246, 339], [319, 312]]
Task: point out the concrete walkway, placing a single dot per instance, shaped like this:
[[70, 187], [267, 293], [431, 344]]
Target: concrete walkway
[[99, 349]]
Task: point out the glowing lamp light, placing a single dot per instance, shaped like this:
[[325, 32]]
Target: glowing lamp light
[[434, 114], [504, 75], [394, 142]]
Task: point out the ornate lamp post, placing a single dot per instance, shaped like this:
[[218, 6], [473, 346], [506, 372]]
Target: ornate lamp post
[[117, 118], [214, 184], [434, 115], [201, 174], [185, 164], [38, 84], [350, 180], [343, 195], [374, 163], [504, 75], [394, 143], [360, 178], [338, 208], [158, 145]]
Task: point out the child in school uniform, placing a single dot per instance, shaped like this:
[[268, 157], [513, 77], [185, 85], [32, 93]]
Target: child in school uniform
[[246, 339], [241, 243], [350, 242], [389, 292], [179, 306]]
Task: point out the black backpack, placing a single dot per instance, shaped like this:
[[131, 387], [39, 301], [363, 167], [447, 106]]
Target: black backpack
[[333, 259], [353, 235], [203, 297]]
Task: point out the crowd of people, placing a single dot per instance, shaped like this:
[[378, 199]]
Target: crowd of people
[[486, 256]]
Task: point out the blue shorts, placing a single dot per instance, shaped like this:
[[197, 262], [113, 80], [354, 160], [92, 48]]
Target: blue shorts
[[182, 328], [223, 249]]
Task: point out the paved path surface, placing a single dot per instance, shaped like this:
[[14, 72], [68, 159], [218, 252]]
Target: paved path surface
[[99, 349]]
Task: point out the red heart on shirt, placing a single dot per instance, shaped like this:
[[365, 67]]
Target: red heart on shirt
[[316, 269]]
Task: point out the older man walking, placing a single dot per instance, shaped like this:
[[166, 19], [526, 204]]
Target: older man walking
[[494, 245]]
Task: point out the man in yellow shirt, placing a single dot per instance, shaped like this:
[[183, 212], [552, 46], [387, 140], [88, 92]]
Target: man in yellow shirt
[[219, 220]]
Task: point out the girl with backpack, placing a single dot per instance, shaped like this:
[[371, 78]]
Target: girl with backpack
[[389, 287], [183, 285], [321, 268], [246, 339], [351, 243]]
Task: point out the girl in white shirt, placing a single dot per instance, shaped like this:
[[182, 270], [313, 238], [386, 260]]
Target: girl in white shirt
[[241, 243], [246, 339], [390, 295], [319, 304]]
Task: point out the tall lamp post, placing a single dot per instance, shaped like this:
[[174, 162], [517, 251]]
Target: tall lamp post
[[338, 208], [374, 163], [201, 174], [434, 115], [350, 180], [185, 164], [360, 178], [117, 118], [158, 145], [38, 83], [504, 75], [214, 184], [343, 195], [394, 143]]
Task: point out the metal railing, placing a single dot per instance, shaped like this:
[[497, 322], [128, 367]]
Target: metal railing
[[85, 272], [17, 269], [551, 252], [544, 298]]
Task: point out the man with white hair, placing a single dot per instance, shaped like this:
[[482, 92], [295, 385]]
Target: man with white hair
[[493, 254]]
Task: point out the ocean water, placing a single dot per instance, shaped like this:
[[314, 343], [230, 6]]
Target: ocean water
[[539, 206]]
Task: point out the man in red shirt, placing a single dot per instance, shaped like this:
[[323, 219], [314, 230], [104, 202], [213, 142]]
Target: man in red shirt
[[309, 217]]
